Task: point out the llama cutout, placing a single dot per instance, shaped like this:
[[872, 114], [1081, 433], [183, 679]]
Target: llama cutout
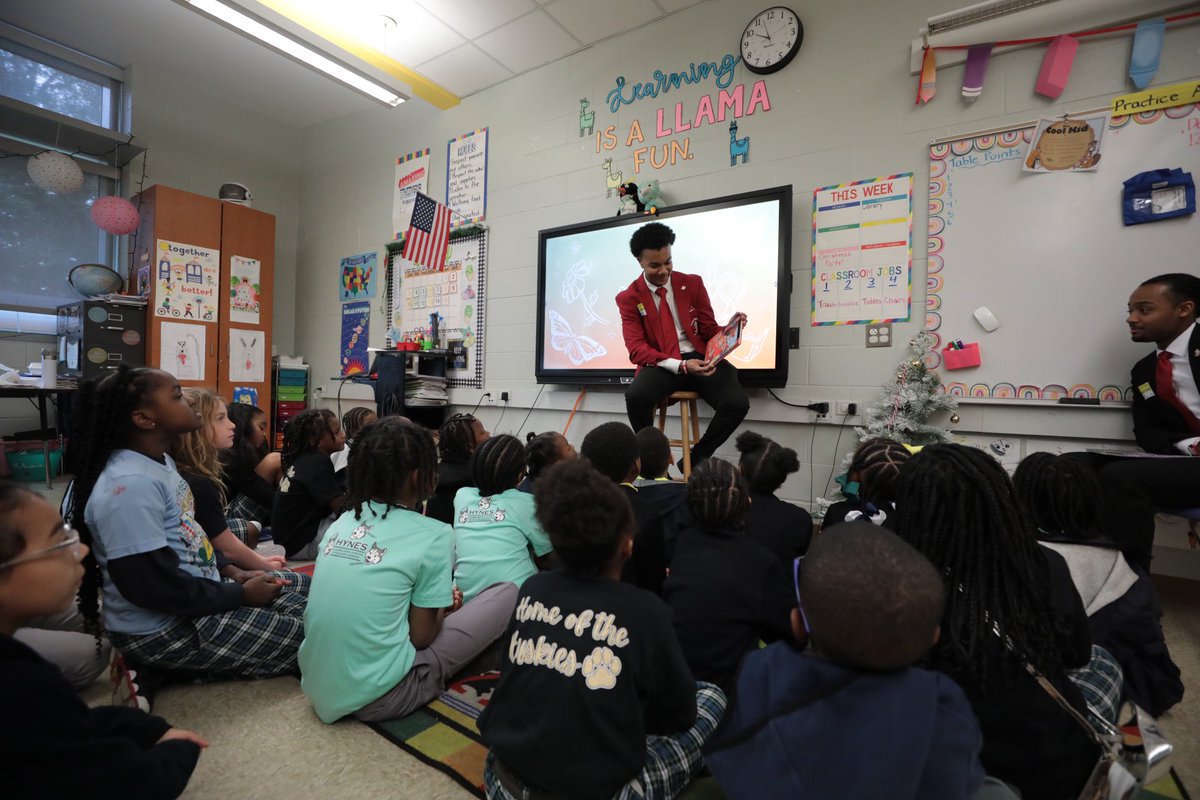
[[587, 119], [737, 147], [614, 178]]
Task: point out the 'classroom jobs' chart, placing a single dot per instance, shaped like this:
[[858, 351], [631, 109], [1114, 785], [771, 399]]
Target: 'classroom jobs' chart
[[862, 251]]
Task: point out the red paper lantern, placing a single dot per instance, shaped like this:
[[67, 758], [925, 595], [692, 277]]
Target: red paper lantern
[[115, 215]]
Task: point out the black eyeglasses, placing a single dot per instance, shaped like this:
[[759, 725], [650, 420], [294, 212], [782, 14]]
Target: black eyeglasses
[[799, 602]]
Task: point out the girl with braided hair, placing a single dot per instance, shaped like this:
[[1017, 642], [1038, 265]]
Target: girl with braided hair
[[726, 590], [250, 470], [380, 639], [169, 602], [310, 494], [542, 451], [457, 439], [1063, 498], [870, 484], [1009, 603], [781, 527], [496, 533], [353, 421]]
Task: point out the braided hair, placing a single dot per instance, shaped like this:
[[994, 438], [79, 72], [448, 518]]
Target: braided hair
[[303, 433], [496, 465], [765, 463], [354, 420], [541, 452], [383, 459], [103, 422], [456, 439], [585, 542], [718, 496], [1061, 494], [243, 415], [194, 452], [877, 463], [957, 506]]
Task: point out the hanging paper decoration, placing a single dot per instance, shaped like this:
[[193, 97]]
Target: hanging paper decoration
[[55, 172], [976, 69], [1147, 47], [928, 86], [115, 215], [1056, 66]]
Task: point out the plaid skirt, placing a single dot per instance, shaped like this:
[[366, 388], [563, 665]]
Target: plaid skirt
[[242, 643], [1100, 684], [671, 761], [242, 507]]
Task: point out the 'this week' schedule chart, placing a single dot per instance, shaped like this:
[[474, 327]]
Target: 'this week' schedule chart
[[862, 251]]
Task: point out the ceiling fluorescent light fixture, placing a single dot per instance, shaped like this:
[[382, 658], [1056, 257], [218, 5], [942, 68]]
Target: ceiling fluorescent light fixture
[[299, 51]]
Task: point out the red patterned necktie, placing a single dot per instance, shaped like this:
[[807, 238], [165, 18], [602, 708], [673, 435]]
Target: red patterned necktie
[[1164, 384], [666, 325]]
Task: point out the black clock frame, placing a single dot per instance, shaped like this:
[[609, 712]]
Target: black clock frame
[[787, 57]]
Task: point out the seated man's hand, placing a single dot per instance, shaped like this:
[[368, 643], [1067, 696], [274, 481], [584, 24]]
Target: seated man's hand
[[740, 316], [697, 367]]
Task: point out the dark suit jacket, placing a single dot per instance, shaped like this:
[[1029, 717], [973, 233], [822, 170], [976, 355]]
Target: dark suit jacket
[[642, 331], [1157, 426]]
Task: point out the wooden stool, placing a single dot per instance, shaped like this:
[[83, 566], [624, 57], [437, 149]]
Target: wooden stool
[[689, 425]]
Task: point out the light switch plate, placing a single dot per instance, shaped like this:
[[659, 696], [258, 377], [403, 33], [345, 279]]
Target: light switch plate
[[879, 334]]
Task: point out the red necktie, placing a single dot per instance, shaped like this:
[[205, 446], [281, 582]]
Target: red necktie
[[666, 325], [1164, 383]]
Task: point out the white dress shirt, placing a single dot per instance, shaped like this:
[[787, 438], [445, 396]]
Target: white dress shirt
[[1184, 383], [685, 344]]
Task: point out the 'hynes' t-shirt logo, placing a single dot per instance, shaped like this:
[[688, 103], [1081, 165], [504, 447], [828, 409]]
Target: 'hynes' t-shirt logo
[[353, 548], [484, 509], [600, 669]]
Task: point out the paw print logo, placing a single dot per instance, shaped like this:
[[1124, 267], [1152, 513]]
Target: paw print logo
[[360, 531], [499, 515], [601, 668], [462, 517], [286, 482], [485, 502]]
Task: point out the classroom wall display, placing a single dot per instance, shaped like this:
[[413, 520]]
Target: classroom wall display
[[247, 361], [188, 276], [245, 394], [1049, 255], [412, 176], [356, 323], [181, 350], [357, 277], [455, 294], [862, 251], [244, 300], [466, 177], [1067, 143]]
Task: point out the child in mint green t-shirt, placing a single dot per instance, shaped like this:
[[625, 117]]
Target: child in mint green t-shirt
[[496, 535], [383, 630]]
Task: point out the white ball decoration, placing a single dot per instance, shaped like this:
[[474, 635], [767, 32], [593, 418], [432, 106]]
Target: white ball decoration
[[55, 172]]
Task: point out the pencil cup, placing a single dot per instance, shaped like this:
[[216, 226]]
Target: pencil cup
[[965, 358]]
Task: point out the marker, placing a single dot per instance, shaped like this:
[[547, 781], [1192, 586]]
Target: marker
[[951, 346], [958, 344]]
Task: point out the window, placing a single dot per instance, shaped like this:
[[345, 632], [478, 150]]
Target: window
[[53, 84]]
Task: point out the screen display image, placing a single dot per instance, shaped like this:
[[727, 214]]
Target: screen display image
[[739, 245]]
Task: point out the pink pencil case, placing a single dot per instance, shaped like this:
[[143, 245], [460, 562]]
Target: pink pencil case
[[962, 359]]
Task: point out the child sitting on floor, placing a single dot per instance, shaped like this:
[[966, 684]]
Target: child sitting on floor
[[196, 458], [543, 451], [870, 484], [726, 590], [251, 470], [456, 441], [781, 527], [53, 744], [852, 716], [595, 699], [310, 495], [376, 644], [165, 604], [496, 534], [353, 421]]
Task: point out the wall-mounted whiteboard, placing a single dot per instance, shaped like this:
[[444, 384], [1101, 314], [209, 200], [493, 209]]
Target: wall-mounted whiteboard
[[1049, 255]]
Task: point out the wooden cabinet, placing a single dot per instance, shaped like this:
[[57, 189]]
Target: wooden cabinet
[[183, 263]]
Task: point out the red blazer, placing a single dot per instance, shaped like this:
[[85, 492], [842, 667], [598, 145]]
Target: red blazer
[[641, 330]]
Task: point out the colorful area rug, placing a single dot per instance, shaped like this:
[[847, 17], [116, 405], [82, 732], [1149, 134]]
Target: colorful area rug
[[443, 734]]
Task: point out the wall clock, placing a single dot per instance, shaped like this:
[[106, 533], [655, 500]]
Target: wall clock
[[771, 40]]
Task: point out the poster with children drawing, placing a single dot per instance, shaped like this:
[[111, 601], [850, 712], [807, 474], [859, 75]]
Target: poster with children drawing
[[187, 278], [244, 300], [358, 277], [246, 361], [181, 350]]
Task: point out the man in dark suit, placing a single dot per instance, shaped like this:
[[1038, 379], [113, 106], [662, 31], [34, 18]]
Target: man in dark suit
[[1166, 412], [667, 320]]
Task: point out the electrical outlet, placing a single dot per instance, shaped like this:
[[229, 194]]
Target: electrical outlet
[[879, 334], [504, 397], [846, 409]]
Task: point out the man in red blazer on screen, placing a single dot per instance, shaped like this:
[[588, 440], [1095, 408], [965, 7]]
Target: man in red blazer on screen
[[667, 320]]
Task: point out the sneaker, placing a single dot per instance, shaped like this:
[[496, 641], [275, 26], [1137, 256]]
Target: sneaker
[[133, 687]]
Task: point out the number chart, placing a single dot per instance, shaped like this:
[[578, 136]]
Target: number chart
[[862, 251]]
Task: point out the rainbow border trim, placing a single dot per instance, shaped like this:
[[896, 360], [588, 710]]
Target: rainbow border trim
[[410, 156], [813, 292]]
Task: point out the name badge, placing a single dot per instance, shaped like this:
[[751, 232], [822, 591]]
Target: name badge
[[1146, 391], [641, 309]]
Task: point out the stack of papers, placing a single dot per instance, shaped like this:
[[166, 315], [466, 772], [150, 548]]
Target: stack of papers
[[425, 390]]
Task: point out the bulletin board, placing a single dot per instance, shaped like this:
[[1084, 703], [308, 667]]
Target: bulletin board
[[1049, 255], [455, 292]]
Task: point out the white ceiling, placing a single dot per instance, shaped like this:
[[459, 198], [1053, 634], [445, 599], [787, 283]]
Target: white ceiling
[[464, 45]]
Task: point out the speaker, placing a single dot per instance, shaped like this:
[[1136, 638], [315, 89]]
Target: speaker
[[389, 385]]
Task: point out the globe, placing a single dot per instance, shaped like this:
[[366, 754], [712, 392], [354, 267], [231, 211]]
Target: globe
[[91, 280]]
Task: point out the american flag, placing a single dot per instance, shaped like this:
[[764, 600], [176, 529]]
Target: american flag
[[428, 233]]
